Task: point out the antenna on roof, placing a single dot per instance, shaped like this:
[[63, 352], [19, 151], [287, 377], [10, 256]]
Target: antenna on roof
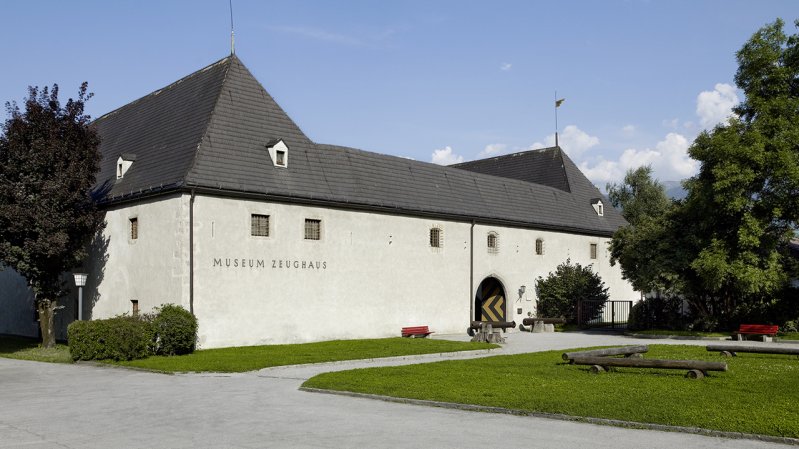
[[232, 34], [558, 102]]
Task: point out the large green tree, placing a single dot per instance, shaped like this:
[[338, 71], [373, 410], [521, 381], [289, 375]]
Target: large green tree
[[48, 161], [743, 205], [561, 290]]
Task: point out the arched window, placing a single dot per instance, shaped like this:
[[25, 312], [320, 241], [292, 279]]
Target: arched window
[[493, 242]]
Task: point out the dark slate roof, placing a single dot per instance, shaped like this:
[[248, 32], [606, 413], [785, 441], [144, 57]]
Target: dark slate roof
[[544, 166], [209, 131]]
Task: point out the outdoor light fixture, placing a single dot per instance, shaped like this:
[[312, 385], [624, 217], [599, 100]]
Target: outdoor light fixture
[[80, 282]]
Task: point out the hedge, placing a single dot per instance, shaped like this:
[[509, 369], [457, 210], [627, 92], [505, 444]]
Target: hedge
[[175, 330], [118, 338]]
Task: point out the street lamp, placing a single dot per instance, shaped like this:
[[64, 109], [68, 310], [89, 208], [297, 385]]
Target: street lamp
[[80, 282]]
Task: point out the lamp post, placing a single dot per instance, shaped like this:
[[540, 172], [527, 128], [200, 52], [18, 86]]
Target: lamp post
[[80, 281]]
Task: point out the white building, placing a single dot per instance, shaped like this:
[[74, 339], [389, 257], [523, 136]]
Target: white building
[[218, 202]]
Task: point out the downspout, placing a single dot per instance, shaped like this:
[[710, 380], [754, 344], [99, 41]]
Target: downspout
[[471, 273], [191, 253]]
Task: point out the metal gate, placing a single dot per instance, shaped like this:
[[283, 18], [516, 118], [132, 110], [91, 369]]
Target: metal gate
[[603, 314]]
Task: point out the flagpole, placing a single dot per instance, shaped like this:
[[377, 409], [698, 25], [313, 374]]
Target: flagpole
[[556, 117]]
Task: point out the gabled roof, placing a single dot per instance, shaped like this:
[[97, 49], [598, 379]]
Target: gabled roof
[[209, 131], [544, 166]]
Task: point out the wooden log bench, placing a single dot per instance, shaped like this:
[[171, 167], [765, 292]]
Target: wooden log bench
[[626, 351], [767, 331], [697, 369], [416, 331], [733, 350]]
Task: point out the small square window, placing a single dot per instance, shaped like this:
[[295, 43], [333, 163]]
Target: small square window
[[281, 157], [539, 247], [313, 229], [259, 225], [593, 250], [435, 237], [134, 228]]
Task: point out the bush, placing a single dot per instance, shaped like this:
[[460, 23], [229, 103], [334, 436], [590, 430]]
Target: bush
[[118, 338], [175, 330], [559, 292], [663, 312]]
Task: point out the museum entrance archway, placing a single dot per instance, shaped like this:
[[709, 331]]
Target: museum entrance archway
[[489, 302]]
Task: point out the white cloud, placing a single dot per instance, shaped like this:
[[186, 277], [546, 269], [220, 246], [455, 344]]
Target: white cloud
[[445, 156], [628, 130], [573, 140], [673, 123], [669, 160], [714, 107], [493, 149], [505, 66]]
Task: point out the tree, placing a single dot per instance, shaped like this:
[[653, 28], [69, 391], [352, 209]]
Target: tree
[[560, 291], [743, 205], [645, 247], [48, 162]]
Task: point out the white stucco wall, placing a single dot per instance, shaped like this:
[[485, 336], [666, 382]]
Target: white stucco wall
[[152, 269]]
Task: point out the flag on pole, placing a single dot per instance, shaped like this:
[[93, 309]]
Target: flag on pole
[[558, 102]]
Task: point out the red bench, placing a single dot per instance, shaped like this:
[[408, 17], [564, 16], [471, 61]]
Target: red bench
[[416, 331], [766, 330]]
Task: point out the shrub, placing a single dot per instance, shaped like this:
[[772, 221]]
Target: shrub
[[560, 291], [175, 330], [118, 338], [660, 312]]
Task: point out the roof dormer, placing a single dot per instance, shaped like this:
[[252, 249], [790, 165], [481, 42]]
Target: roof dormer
[[279, 152], [596, 203], [124, 162]]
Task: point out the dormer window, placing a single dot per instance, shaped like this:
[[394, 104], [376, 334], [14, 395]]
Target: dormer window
[[278, 152], [598, 207], [124, 162]]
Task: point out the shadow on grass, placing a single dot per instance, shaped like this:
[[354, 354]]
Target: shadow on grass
[[23, 348]]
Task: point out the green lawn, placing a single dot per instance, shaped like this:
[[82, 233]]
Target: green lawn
[[29, 349], [249, 358], [757, 395], [788, 336]]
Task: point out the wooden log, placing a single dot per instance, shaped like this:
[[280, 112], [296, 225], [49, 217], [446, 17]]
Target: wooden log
[[652, 363], [531, 321], [624, 350], [495, 324], [754, 349]]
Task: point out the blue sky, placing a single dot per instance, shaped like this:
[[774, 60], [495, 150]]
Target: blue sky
[[436, 81]]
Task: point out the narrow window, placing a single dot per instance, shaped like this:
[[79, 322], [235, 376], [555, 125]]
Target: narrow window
[[493, 242], [435, 237], [313, 229], [593, 250], [259, 225], [134, 228], [281, 157], [601, 213], [119, 171], [539, 247], [135, 304]]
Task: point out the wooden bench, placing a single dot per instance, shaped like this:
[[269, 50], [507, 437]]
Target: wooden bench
[[416, 331], [766, 330]]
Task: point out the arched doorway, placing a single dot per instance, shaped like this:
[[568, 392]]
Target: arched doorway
[[489, 302]]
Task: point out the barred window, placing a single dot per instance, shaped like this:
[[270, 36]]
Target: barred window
[[259, 225], [593, 250], [493, 242], [435, 237], [539, 247], [313, 229], [134, 228]]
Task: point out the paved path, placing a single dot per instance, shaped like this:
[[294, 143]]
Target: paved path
[[83, 406]]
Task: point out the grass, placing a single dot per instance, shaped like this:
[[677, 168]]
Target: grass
[[681, 333], [757, 395], [788, 336], [249, 358], [30, 349]]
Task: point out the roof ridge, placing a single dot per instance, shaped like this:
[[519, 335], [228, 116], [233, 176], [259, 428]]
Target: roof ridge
[[504, 156], [158, 91], [207, 126]]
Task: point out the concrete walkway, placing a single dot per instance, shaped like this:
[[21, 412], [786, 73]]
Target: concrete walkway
[[84, 406]]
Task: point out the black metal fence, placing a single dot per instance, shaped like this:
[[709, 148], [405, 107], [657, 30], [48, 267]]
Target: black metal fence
[[605, 314]]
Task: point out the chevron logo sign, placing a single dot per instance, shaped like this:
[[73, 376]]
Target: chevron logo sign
[[493, 307]]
